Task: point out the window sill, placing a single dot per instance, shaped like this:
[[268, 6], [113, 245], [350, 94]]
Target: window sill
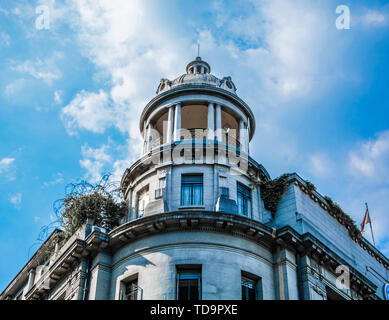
[[191, 207]]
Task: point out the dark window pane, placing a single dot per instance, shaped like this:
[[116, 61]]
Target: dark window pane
[[194, 290], [244, 200], [183, 290], [248, 289], [132, 290], [191, 190], [188, 286]]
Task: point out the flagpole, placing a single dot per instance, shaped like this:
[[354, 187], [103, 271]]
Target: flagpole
[[371, 228]]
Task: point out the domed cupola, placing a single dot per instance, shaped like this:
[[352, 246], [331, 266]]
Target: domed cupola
[[195, 106], [198, 73], [198, 66]]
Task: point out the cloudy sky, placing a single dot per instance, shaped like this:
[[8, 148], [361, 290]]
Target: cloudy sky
[[71, 94]]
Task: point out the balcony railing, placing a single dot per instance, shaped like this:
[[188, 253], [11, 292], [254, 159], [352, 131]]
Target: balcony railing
[[197, 134]]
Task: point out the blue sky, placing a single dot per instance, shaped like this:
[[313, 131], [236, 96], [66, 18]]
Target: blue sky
[[71, 96]]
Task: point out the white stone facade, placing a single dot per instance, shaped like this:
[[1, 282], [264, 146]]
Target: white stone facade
[[198, 128]]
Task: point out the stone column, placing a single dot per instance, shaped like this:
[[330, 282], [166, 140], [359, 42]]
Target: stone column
[[100, 278], [219, 134], [177, 123], [285, 273], [169, 131], [150, 136], [242, 136], [144, 138], [31, 279], [248, 136], [211, 122]]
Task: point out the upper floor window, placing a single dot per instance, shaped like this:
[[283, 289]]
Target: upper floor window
[[249, 291], [192, 190], [251, 286], [244, 200], [161, 187], [143, 199], [131, 292], [162, 182], [129, 289], [189, 283]]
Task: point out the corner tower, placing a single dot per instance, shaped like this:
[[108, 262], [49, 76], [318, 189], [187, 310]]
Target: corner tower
[[196, 134]]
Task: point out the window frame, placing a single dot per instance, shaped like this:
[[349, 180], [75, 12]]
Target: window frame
[[134, 289], [124, 283], [189, 270], [246, 197], [192, 200], [141, 196], [256, 281]]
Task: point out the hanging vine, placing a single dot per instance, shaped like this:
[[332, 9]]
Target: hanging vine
[[272, 191]]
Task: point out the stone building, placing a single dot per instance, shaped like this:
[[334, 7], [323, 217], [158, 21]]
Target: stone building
[[198, 226]]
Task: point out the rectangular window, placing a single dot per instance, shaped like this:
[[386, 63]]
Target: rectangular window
[[189, 283], [192, 190], [131, 291], [143, 200], [161, 187], [161, 183], [249, 289], [244, 200]]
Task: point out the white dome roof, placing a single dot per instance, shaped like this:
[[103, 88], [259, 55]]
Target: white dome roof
[[197, 74]]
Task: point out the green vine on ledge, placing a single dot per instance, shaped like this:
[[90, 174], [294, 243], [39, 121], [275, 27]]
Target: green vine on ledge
[[272, 191], [310, 186], [344, 218]]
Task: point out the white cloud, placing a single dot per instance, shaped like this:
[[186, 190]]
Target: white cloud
[[5, 164], [291, 47], [95, 161], [133, 60], [319, 165], [45, 70], [375, 18], [5, 39], [4, 11], [14, 87], [371, 159], [58, 96], [58, 178], [89, 111], [16, 200]]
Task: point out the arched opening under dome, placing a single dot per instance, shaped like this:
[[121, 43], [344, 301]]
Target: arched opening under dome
[[160, 134], [196, 120], [195, 117], [230, 126]]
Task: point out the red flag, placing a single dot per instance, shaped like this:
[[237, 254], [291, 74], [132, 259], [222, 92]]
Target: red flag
[[366, 220]]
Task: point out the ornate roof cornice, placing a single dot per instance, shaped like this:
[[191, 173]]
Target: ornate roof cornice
[[354, 232]]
